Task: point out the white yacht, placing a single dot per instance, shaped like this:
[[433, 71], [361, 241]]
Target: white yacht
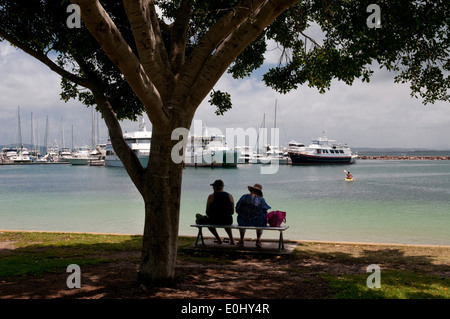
[[275, 153], [64, 155], [138, 141], [22, 156], [246, 154], [259, 158], [249, 156], [295, 146], [210, 151], [99, 155], [18, 155], [15, 155], [7, 153], [81, 156]]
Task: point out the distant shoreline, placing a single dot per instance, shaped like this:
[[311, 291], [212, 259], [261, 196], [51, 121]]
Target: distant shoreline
[[402, 158], [360, 157]]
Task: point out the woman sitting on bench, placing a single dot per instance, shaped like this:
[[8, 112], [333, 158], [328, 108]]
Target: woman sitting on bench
[[252, 210]]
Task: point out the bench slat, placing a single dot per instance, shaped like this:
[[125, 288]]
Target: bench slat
[[234, 226]]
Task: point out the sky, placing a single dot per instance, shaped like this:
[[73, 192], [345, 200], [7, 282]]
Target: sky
[[378, 114]]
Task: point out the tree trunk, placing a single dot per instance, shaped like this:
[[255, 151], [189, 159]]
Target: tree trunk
[[162, 194]]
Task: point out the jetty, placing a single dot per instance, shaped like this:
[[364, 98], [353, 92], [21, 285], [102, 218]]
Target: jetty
[[33, 163]]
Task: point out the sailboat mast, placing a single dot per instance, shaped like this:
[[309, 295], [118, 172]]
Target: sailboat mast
[[275, 121], [32, 133], [46, 136], [98, 129], [20, 130], [93, 130], [63, 142]]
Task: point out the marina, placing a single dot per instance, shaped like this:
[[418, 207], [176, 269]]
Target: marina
[[202, 150], [244, 158]]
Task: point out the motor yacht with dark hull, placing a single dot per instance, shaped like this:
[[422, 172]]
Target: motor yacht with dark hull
[[323, 151]]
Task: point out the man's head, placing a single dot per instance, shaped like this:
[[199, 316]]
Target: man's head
[[218, 184]]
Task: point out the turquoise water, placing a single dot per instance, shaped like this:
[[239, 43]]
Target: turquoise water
[[391, 201]]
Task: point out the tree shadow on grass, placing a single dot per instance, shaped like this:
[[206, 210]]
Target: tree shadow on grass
[[40, 270], [109, 270], [405, 272]]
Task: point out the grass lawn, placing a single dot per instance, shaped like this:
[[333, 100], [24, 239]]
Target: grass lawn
[[406, 272]]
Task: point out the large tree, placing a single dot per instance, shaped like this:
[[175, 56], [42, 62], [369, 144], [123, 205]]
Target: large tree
[[166, 63]]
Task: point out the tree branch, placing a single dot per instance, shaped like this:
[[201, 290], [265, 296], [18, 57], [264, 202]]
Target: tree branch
[[209, 43], [178, 36], [116, 48], [148, 38], [127, 156], [230, 48]]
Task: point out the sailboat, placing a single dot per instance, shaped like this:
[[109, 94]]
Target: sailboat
[[64, 153], [260, 157], [273, 151], [22, 155], [83, 155]]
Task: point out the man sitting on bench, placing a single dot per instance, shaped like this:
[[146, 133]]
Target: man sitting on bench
[[219, 211]]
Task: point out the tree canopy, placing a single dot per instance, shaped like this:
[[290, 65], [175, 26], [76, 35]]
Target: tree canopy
[[413, 41], [40, 29]]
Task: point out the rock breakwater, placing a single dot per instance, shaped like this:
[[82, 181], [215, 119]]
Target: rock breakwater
[[388, 157]]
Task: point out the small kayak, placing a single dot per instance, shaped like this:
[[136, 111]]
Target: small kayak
[[350, 179]]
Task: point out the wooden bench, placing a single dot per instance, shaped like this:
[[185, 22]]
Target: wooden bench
[[281, 229]]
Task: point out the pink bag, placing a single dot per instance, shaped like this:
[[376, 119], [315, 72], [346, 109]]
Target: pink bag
[[275, 218]]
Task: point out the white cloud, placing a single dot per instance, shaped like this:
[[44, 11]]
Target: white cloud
[[376, 114]]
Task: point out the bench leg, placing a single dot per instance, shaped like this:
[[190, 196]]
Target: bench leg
[[199, 235], [281, 242]]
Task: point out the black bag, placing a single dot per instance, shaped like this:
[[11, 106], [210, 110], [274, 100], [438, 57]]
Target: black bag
[[201, 219]]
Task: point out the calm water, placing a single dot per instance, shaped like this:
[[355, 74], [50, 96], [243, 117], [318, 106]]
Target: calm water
[[391, 201]]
